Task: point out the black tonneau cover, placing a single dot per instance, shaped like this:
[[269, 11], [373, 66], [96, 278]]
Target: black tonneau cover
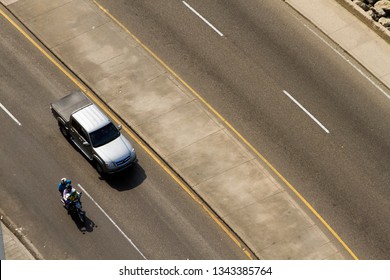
[[71, 103]]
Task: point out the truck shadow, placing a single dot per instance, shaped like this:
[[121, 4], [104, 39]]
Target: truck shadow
[[127, 179]]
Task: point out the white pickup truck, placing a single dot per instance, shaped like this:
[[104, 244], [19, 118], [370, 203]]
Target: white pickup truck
[[93, 133]]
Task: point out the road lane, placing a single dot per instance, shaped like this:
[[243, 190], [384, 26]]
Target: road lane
[[32, 162], [267, 49], [146, 203]]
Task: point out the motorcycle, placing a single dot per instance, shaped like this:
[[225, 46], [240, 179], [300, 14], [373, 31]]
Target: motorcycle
[[75, 207]]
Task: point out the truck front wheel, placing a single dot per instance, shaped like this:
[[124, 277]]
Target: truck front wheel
[[99, 168]]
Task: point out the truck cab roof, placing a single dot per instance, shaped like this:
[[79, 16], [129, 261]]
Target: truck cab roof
[[91, 118]]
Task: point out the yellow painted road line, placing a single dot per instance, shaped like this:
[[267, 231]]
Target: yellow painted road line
[[253, 149], [128, 131], [52, 60]]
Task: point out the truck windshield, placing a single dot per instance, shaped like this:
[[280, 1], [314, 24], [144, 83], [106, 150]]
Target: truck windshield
[[104, 135]]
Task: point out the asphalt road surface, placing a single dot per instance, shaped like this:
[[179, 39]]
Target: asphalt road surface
[[315, 118], [141, 213]]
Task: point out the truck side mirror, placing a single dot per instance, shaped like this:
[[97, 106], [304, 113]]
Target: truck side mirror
[[119, 126]]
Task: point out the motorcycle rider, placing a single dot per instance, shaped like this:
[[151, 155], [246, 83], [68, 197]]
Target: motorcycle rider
[[69, 195], [62, 185]]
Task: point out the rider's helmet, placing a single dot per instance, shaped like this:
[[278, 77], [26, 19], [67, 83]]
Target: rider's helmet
[[69, 187], [64, 181]]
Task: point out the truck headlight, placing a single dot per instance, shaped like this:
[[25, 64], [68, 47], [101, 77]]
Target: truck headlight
[[110, 165]]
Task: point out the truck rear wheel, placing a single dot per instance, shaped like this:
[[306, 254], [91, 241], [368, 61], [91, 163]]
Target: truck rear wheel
[[63, 130]]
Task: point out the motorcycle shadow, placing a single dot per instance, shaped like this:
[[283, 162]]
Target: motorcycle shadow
[[87, 226]]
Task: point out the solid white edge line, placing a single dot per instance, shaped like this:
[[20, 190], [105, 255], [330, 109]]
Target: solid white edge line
[[112, 221], [306, 111], [9, 114], [349, 62], [205, 20]]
